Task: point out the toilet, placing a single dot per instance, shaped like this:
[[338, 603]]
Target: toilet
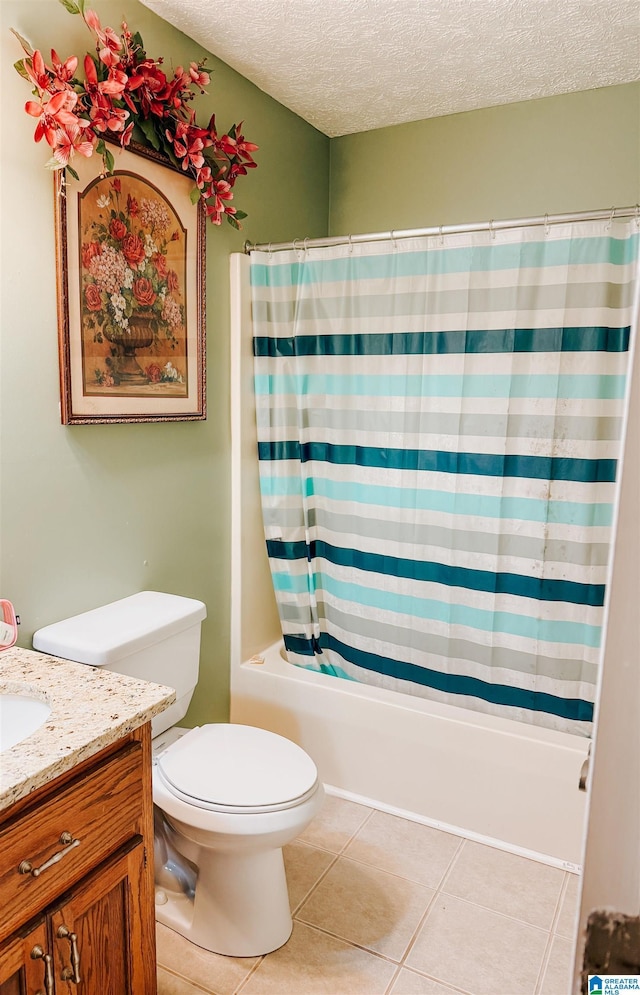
[[227, 797]]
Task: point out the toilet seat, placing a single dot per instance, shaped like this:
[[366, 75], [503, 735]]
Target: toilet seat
[[237, 769]]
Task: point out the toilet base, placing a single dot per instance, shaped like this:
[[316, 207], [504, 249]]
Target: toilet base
[[240, 908]]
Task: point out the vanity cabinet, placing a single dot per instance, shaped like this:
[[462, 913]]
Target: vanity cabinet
[[76, 880]]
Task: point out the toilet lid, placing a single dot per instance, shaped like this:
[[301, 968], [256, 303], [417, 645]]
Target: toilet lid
[[237, 768]]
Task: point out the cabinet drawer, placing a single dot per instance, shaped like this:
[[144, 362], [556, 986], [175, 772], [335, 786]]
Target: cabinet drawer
[[68, 834]]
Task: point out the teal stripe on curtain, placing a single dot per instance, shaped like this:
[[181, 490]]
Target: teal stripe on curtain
[[453, 684], [471, 505], [485, 464], [589, 386], [438, 438], [543, 589], [403, 261], [594, 339], [530, 629]]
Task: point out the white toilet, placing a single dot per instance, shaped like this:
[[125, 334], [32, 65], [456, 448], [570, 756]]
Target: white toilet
[[228, 797]]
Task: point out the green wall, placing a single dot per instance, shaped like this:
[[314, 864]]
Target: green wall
[[89, 514], [575, 152]]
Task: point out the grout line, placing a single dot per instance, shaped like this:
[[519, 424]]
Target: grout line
[[449, 869], [194, 984], [414, 936], [253, 970], [436, 893], [559, 904], [546, 957], [357, 831], [366, 818], [350, 943], [315, 884], [495, 912], [394, 978], [544, 965], [439, 981]]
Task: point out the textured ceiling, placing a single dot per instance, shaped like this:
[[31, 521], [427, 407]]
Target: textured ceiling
[[354, 65]]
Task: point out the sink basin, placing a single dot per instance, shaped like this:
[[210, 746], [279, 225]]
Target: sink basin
[[20, 715]]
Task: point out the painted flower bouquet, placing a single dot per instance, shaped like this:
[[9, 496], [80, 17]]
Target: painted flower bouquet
[[130, 295], [126, 94]]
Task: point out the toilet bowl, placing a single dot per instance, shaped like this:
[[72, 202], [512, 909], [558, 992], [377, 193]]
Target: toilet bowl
[[227, 797], [232, 797]]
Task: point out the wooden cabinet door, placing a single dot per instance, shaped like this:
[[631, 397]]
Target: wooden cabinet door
[[26, 963], [99, 945]]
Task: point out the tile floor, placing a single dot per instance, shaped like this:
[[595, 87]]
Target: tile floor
[[383, 906]]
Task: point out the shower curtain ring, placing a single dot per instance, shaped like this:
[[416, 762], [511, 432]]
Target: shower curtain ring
[[610, 221], [306, 248], [393, 239], [491, 229], [350, 244], [638, 216], [546, 224], [441, 236], [270, 252]]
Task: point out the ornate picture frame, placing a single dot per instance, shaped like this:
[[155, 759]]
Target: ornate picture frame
[[130, 251]]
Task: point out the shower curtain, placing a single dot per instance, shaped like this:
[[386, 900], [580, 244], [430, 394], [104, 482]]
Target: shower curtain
[[439, 426]]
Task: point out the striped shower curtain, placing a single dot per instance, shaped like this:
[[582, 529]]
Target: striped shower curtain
[[439, 425]]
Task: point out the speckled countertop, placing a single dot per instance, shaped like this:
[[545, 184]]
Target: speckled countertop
[[90, 708]]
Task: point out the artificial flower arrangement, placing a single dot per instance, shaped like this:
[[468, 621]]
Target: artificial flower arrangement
[[123, 90]]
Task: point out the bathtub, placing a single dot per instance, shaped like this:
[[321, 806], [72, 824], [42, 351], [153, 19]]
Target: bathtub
[[486, 778]]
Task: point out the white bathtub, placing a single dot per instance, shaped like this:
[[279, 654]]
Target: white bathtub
[[482, 777], [486, 778]]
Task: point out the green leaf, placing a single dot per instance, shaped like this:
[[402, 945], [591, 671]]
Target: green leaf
[[109, 160], [23, 41], [19, 68], [138, 42], [101, 148], [149, 132], [167, 148], [240, 215], [73, 173], [194, 195], [81, 6], [70, 6], [232, 221]]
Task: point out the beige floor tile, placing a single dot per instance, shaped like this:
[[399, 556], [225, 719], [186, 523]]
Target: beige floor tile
[[367, 906], [557, 977], [168, 984], [507, 883], [409, 983], [213, 972], [403, 847], [303, 865], [312, 963], [336, 823], [478, 950], [567, 924]]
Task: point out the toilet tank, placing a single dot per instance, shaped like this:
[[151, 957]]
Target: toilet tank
[[151, 636]]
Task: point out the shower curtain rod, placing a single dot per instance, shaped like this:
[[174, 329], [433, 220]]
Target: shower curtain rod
[[491, 226]]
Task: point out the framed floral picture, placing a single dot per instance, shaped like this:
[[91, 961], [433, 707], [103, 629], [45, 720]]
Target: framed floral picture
[[131, 277]]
